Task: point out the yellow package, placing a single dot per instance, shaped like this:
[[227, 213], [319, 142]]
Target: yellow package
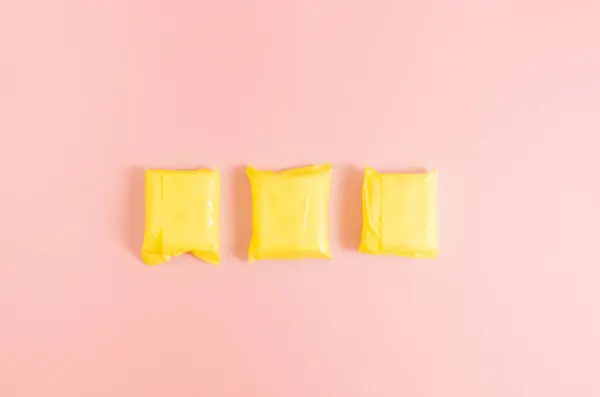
[[290, 213], [399, 214], [182, 215]]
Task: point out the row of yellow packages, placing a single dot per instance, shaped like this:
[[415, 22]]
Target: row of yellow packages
[[290, 214]]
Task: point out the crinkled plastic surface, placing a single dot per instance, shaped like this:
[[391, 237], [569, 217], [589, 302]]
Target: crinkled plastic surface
[[290, 213], [182, 215], [399, 214]]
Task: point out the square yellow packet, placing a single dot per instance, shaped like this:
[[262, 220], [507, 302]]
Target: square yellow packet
[[290, 213], [400, 214], [182, 215]]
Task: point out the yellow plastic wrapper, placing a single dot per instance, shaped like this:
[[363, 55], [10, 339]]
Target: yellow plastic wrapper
[[399, 214], [290, 213], [182, 215]]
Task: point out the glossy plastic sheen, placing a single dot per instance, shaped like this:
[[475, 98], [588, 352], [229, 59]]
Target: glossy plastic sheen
[[290, 213], [399, 214], [182, 215]]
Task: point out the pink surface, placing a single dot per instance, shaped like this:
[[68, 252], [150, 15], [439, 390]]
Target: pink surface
[[501, 96]]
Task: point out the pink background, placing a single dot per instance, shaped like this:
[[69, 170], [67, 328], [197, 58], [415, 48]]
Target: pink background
[[501, 96]]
